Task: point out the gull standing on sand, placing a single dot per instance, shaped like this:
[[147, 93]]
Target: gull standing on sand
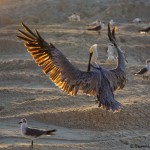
[[145, 71], [97, 28], [33, 133], [96, 81], [111, 53]]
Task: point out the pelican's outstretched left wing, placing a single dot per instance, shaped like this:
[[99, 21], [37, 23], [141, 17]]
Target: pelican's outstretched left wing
[[53, 62]]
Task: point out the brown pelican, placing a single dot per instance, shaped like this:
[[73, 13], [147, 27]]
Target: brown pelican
[[145, 71], [33, 133], [97, 81]]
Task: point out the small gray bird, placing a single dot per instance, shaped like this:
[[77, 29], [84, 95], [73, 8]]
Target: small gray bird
[[33, 133], [97, 28], [145, 71], [145, 30]]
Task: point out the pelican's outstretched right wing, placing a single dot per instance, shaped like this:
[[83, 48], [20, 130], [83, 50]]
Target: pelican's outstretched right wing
[[60, 70]]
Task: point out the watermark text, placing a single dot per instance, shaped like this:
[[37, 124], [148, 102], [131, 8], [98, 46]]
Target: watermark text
[[140, 146]]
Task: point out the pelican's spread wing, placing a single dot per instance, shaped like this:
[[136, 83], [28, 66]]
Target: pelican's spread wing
[[116, 78], [100, 82], [54, 63]]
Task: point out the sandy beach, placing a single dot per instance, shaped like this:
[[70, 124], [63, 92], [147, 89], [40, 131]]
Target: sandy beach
[[25, 92]]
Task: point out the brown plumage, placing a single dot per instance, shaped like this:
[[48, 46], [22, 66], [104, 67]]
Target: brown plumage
[[98, 81]]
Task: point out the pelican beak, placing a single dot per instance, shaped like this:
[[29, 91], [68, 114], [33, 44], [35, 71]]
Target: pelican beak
[[115, 28], [91, 53], [114, 31]]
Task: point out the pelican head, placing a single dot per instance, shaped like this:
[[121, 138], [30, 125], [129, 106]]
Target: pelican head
[[93, 48], [93, 55], [93, 52]]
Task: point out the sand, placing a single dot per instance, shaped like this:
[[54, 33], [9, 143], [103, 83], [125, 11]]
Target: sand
[[26, 92]]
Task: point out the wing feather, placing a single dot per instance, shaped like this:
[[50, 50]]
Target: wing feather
[[53, 62], [26, 35]]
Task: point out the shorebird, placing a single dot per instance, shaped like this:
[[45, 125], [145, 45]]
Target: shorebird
[[33, 133], [111, 53], [146, 30], [97, 81], [111, 22], [137, 20], [145, 71], [74, 17], [97, 28]]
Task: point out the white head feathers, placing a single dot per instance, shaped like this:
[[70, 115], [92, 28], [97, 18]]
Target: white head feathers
[[93, 50]]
